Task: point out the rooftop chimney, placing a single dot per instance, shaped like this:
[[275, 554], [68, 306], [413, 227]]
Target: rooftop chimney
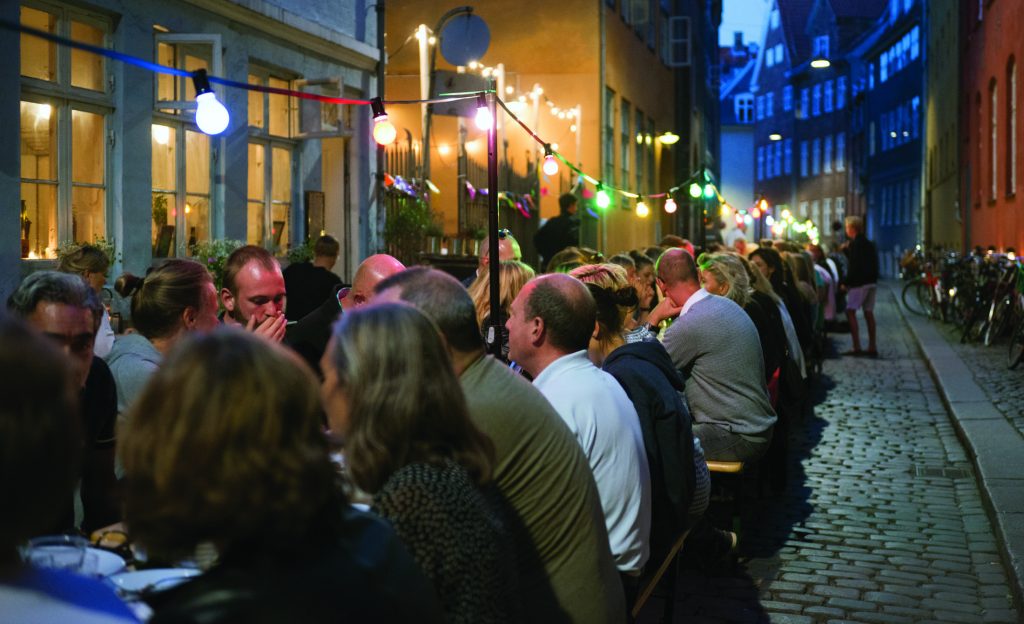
[[737, 40]]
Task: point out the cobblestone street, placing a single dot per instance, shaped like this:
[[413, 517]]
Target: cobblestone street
[[881, 519]]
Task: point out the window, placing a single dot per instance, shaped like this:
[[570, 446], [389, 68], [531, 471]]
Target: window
[[841, 151], [64, 125], [743, 105], [769, 57], [181, 177], [827, 155], [788, 163], [803, 158], [778, 158], [871, 139], [828, 96], [821, 46], [270, 195], [769, 104], [803, 210], [787, 98], [840, 209], [840, 92], [775, 19], [816, 98], [779, 54], [826, 214], [269, 113], [625, 140], [816, 157], [760, 107], [915, 112], [805, 101], [639, 127], [815, 215], [993, 125], [1011, 127], [679, 41], [915, 42], [871, 76], [176, 94], [760, 162], [608, 156]]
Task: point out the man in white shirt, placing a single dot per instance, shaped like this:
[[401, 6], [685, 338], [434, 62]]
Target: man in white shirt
[[550, 324]]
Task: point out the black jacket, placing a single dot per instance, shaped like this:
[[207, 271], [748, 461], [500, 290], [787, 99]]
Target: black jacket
[[646, 373], [768, 320], [862, 256], [555, 235]]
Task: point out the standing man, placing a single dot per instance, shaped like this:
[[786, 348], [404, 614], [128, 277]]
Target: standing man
[[253, 293], [559, 232], [310, 283], [550, 324], [861, 284]]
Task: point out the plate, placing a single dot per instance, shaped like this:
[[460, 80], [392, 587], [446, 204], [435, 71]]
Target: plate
[[107, 563], [157, 579]]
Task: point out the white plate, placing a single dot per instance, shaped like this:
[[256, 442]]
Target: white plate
[[107, 562], [157, 579]]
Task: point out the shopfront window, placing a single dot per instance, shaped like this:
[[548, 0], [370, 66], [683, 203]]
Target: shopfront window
[[181, 189]]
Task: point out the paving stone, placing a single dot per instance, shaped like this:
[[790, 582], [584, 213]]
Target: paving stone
[[840, 592]]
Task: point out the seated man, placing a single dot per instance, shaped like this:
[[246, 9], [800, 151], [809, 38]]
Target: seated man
[[550, 324], [309, 336], [309, 283], [567, 568], [508, 249], [253, 292], [716, 347], [65, 309]]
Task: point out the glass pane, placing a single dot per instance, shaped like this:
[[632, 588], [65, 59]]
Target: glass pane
[[38, 141], [279, 214], [197, 163], [279, 125], [197, 220], [166, 85], [281, 194], [196, 57], [38, 56], [38, 221], [163, 224], [86, 67], [164, 147], [256, 117], [87, 147], [256, 161], [88, 214], [254, 231]]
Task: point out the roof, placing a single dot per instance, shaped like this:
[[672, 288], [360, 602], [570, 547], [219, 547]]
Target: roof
[[863, 9], [740, 82]]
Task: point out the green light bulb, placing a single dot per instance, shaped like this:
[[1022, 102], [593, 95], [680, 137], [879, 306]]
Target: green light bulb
[[603, 200], [709, 191], [695, 190]]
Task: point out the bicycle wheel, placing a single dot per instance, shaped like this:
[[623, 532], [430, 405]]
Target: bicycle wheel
[[999, 319], [972, 327], [1016, 351], [915, 297]]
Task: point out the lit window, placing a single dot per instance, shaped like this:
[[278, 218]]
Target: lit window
[[840, 92], [181, 204], [803, 158], [625, 140], [769, 104], [789, 156], [270, 113], [787, 98], [816, 157], [816, 99], [760, 162], [828, 96], [841, 151], [743, 105], [827, 155], [805, 101]]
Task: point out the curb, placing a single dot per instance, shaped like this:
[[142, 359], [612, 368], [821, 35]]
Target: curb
[[996, 448]]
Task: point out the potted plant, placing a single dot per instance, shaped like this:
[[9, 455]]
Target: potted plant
[[406, 229], [435, 237], [214, 255], [474, 237]]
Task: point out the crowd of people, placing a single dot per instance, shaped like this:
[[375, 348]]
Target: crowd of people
[[542, 483]]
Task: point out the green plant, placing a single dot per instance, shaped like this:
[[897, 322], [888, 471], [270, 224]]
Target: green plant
[[160, 210], [408, 222], [214, 254], [301, 253], [476, 233], [101, 243]]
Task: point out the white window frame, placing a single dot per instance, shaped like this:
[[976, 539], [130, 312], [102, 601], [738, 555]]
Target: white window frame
[[841, 151], [816, 156], [679, 41], [216, 66], [180, 192]]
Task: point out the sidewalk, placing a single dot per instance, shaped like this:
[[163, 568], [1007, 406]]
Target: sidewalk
[[995, 446]]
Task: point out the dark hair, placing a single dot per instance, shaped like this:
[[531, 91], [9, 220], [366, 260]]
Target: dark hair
[[405, 404], [567, 309], [326, 245], [86, 258], [160, 298], [773, 259], [676, 265], [54, 287], [241, 257], [40, 443], [242, 461], [443, 299], [623, 260], [565, 200], [640, 258], [671, 240], [654, 253]]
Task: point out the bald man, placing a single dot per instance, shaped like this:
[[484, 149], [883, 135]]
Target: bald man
[[508, 249], [310, 335], [550, 324]]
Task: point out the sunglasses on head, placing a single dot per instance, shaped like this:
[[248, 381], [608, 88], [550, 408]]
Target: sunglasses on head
[[704, 261]]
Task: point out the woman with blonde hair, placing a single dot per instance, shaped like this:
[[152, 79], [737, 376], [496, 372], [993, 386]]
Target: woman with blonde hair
[[512, 276], [242, 467], [679, 479], [391, 393], [92, 263], [176, 297]]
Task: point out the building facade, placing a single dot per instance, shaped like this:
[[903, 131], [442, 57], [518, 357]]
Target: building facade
[[941, 212], [992, 36], [111, 150], [737, 142]]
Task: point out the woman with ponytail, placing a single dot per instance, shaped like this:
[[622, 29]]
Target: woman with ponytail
[[679, 474]]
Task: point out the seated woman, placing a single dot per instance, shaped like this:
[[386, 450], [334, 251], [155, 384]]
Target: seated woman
[[224, 449], [391, 393], [513, 275], [176, 297], [92, 264], [679, 475]]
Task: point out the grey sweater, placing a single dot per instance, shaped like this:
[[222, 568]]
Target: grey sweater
[[715, 346], [133, 360]]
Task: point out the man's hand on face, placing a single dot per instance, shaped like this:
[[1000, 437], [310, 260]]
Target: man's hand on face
[[271, 327], [665, 309]]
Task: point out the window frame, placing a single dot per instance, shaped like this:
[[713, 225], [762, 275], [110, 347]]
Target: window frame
[[181, 192], [216, 66]]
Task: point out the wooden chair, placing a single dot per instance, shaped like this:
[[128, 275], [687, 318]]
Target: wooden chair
[[652, 583]]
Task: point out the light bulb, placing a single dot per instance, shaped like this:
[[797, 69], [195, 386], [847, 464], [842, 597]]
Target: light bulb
[[642, 210], [670, 205], [695, 190], [211, 116], [483, 118], [709, 190], [550, 165], [384, 132], [603, 201], [769, 220]]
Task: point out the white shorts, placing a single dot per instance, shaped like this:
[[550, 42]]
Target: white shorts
[[861, 298]]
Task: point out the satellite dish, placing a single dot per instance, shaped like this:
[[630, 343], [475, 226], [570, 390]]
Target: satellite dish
[[465, 38]]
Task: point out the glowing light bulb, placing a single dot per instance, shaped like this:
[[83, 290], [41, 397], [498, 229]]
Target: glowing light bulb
[[603, 201], [642, 210], [695, 190], [484, 120], [769, 220], [384, 132], [550, 166], [670, 205], [161, 134], [211, 116], [709, 191], [443, 149]]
